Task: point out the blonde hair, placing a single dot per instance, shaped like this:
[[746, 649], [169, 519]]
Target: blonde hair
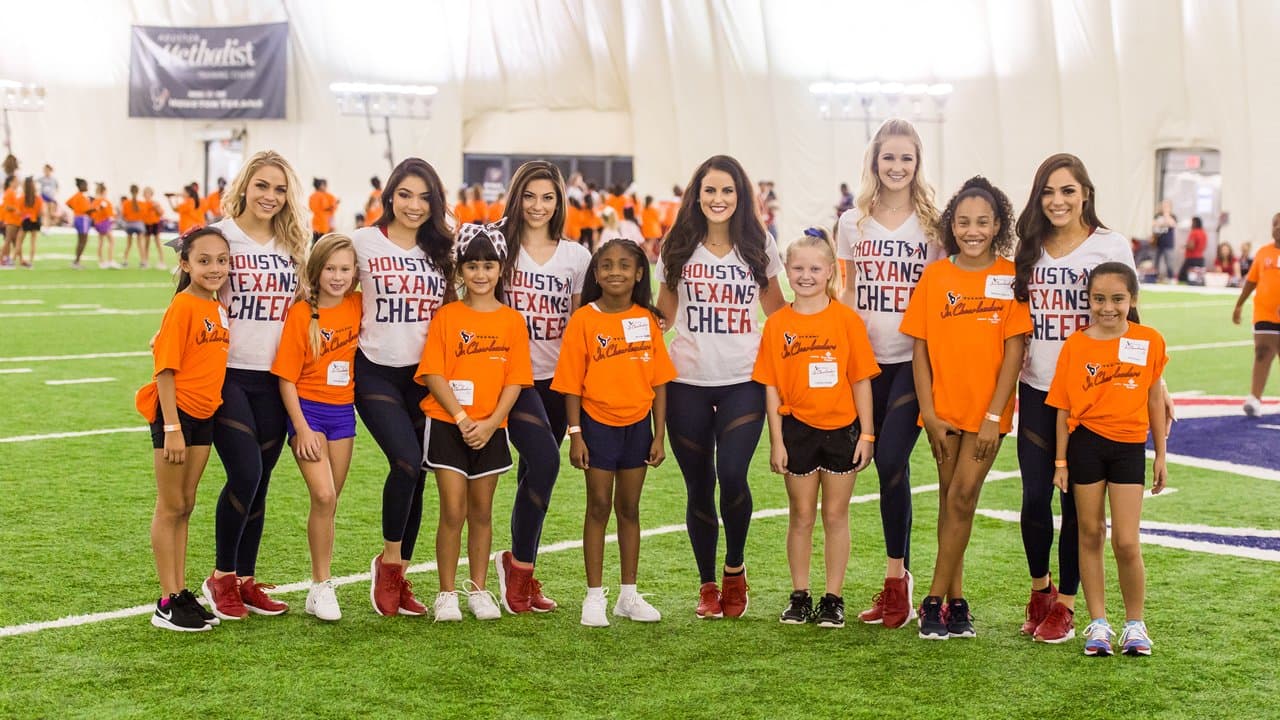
[[816, 237], [286, 224], [922, 198], [325, 248]]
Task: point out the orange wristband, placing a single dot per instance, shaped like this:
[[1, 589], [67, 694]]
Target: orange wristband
[[868, 438], [1059, 463]]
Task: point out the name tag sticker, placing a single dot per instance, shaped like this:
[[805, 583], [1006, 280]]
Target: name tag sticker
[[1000, 287], [1134, 352], [635, 329], [222, 316], [339, 373], [823, 374], [464, 391]]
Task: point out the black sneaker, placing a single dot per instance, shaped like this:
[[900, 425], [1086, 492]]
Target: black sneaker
[[800, 609], [932, 626], [830, 612], [959, 619], [189, 598], [176, 615]]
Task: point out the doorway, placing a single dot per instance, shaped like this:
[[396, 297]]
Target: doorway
[[1191, 178]]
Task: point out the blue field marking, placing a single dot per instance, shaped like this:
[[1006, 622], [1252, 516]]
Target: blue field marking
[[1241, 540], [1234, 438]]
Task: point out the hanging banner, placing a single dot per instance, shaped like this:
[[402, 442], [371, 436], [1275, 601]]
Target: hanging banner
[[208, 72]]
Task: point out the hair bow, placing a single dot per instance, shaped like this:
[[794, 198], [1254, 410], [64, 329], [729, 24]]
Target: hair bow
[[813, 232], [493, 231]]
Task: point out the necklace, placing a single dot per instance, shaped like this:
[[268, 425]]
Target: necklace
[[882, 204]]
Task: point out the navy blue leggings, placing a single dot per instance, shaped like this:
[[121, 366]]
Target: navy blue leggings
[[248, 433], [389, 403], [896, 410], [1037, 433], [536, 426], [714, 432]]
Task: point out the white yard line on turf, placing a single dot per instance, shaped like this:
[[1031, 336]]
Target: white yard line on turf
[[82, 433], [80, 381], [1253, 471], [85, 356], [89, 286], [1190, 289], [80, 306], [21, 302], [14, 371], [82, 313], [1182, 305], [562, 546], [1211, 346]]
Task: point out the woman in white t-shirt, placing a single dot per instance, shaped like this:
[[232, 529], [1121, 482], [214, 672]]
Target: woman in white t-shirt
[[543, 278], [886, 240], [716, 264], [403, 261], [1060, 241], [268, 242]]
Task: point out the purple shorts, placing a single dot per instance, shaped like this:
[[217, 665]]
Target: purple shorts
[[103, 227], [81, 224], [335, 422]]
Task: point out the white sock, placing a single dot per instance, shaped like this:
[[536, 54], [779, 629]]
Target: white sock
[[626, 591], [595, 592]]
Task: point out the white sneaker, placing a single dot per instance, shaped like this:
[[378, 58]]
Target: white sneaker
[[446, 607], [594, 610], [322, 601], [482, 603], [635, 607], [1252, 406], [103, 265]]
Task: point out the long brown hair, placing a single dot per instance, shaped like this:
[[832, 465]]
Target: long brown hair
[[746, 230], [513, 214], [434, 236], [1033, 227]]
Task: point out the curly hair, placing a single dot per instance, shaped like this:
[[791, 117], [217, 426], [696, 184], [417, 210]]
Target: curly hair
[[286, 225], [641, 294], [979, 187], [434, 236], [1034, 227], [921, 191], [746, 231]]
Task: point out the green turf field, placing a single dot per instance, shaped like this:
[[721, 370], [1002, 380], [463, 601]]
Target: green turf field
[[75, 513]]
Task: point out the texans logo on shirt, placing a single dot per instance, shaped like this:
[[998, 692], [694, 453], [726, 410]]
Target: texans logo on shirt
[[326, 334], [1092, 368], [788, 338], [952, 298], [466, 337], [603, 340], [208, 326]]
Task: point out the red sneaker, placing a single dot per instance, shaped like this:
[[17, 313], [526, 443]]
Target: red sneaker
[[896, 607], [409, 604], [256, 600], [223, 594], [537, 601], [513, 583], [709, 602], [1058, 626], [874, 615], [384, 587], [733, 595], [1038, 608]]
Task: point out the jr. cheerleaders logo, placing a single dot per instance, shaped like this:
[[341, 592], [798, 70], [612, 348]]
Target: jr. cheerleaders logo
[[471, 343]]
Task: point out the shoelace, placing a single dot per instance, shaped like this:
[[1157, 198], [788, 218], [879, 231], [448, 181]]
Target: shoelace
[[475, 589], [535, 588], [798, 608], [879, 600], [1135, 634], [1098, 631]]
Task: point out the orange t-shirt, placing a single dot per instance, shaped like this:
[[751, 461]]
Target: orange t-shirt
[[323, 205], [79, 203], [327, 378], [12, 213], [32, 211], [814, 361], [613, 361], [1104, 384], [189, 214], [192, 342], [151, 212], [1265, 273], [495, 212], [617, 202], [589, 218], [213, 204], [131, 210], [572, 224], [373, 211], [479, 211], [101, 210], [650, 223], [966, 316], [479, 354], [462, 213], [670, 208]]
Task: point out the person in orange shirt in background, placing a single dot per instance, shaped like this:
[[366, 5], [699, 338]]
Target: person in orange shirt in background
[[314, 361], [189, 214], [650, 227], [190, 366], [475, 199], [816, 363], [1107, 391], [80, 205], [462, 210], [970, 334], [475, 362], [212, 205], [670, 207], [590, 223], [323, 207], [102, 212], [10, 220], [134, 227], [615, 199], [496, 209], [30, 208], [152, 213], [572, 219], [613, 371], [373, 206], [1264, 276]]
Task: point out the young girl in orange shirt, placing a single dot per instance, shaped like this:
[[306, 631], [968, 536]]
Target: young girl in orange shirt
[[313, 362], [816, 363], [1108, 395], [970, 335], [190, 364], [10, 220], [79, 205], [475, 361], [31, 209], [101, 213], [613, 371]]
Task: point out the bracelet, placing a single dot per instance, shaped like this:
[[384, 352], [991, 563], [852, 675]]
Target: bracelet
[[1059, 463], [992, 417], [457, 418], [574, 429], [173, 428], [869, 438]]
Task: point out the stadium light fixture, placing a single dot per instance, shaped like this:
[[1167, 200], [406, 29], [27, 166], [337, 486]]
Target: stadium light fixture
[[872, 101], [370, 100], [20, 97]]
